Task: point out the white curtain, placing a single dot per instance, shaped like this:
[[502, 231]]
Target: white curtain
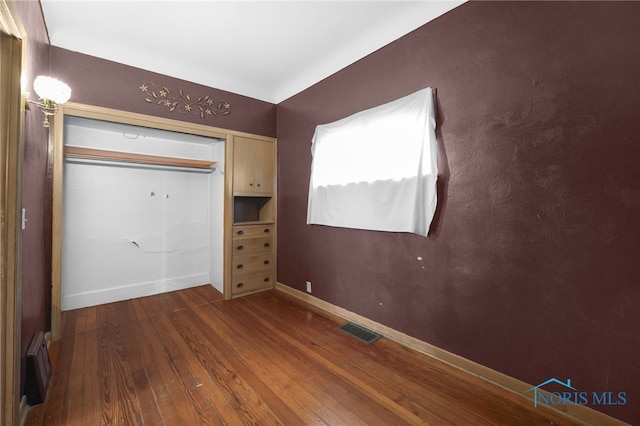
[[377, 169]]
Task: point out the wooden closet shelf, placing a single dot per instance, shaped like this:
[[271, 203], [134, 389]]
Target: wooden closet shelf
[[128, 157]]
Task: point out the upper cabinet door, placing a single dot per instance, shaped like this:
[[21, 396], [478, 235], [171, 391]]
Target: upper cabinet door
[[253, 166]]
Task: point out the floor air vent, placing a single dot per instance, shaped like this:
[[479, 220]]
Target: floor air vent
[[359, 332]]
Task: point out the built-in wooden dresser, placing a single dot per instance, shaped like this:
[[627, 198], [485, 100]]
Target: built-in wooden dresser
[[253, 258], [253, 253]]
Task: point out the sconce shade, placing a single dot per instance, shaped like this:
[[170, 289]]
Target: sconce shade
[[51, 89]]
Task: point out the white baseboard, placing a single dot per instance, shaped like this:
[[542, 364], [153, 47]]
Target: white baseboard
[[116, 294], [578, 412]]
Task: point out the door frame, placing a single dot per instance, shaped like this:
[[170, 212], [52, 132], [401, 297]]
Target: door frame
[[12, 107]]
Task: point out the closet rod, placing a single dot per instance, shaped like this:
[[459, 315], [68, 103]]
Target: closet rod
[[128, 157]]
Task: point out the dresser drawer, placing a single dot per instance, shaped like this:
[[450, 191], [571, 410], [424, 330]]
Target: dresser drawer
[[252, 245], [245, 265], [253, 282], [252, 230]]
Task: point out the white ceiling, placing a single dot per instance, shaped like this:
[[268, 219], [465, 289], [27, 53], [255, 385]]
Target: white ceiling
[[268, 50]]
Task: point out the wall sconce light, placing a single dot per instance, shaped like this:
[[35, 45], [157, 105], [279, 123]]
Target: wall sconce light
[[52, 93]]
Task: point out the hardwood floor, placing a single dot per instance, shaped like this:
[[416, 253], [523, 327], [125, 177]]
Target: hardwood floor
[[190, 358]]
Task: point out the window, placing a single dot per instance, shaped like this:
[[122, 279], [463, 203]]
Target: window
[[377, 169]]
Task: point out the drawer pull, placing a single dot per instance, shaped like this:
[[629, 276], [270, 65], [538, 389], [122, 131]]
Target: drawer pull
[[266, 280], [240, 248], [267, 230], [267, 244], [266, 262], [240, 285], [240, 266], [258, 185], [240, 232]]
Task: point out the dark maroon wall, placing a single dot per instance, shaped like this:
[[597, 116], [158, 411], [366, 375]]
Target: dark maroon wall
[[532, 264], [36, 195], [99, 82]]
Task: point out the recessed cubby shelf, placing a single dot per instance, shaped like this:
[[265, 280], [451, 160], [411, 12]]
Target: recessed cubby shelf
[[248, 210]]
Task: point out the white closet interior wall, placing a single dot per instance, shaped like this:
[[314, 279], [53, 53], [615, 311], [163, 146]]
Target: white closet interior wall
[[132, 230]]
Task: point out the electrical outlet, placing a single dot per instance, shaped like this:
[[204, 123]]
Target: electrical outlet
[[308, 286]]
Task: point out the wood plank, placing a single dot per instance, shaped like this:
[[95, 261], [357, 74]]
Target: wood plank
[[237, 394], [68, 322], [150, 364], [206, 399], [130, 157], [74, 392], [56, 405], [343, 350], [194, 296], [35, 416], [447, 385], [162, 303], [91, 405], [189, 357], [378, 395], [172, 394], [222, 363], [291, 377], [304, 358], [109, 410], [118, 386], [142, 386]]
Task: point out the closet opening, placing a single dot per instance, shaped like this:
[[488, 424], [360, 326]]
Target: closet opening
[[142, 212], [140, 205]]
